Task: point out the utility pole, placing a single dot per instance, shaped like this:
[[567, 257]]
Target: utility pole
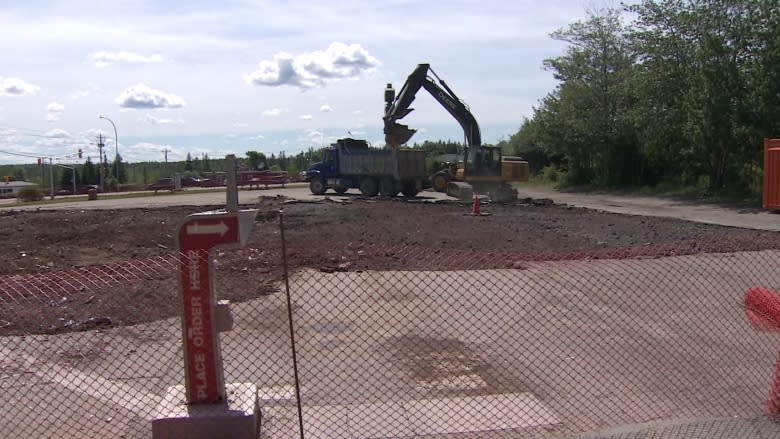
[[116, 145], [51, 177], [166, 151], [100, 146]]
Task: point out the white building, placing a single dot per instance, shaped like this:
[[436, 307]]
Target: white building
[[9, 189]]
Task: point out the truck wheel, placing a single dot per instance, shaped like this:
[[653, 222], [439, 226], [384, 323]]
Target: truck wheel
[[317, 186], [340, 189], [387, 187], [440, 182], [368, 187], [410, 189]]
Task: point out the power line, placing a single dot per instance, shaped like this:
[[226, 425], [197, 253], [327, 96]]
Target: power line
[[26, 131], [21, 154]]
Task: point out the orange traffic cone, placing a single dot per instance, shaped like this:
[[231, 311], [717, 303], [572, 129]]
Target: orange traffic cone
[[475, 209]]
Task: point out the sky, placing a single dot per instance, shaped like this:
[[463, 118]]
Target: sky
[[218, 78]]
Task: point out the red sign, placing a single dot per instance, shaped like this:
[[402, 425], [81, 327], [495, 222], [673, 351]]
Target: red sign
[[202, 359]]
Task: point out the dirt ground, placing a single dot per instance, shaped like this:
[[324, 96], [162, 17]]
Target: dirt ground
[[360, 234]]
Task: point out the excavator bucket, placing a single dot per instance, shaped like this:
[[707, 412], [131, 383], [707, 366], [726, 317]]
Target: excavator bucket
[[397, 134]]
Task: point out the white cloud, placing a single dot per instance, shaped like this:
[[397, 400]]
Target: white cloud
[[160, 120], [142, 96], [314, 69], [240, 124], [305, 117], [357, 112], [58, 133], [105, 58], [16, 87], [79, 94], [272, 112], [231, 136], [313, 136], [257, 137], [54, 111], [326, 109]]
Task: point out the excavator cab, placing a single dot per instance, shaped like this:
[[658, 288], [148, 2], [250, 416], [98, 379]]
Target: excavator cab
[[483, 163]]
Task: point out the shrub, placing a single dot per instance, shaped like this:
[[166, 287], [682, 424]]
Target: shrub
[[550, 173], [29, 193]]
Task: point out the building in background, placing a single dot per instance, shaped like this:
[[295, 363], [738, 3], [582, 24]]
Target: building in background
[[9, 189]]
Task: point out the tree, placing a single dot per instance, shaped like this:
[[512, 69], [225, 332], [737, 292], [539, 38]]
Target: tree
[[584, 118], [18, 174], [525, 143], [703, 90], [120, 168], [257, 160], [66, 178], [89, 174], [188, 163]]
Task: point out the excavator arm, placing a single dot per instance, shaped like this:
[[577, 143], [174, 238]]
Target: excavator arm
[[398, 107]]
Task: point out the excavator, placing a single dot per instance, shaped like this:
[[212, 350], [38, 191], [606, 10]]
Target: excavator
[[485, 169]]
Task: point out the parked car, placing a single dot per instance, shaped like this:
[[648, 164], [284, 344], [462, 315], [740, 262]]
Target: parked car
[[81, 190], [163, 184], [190, 182]]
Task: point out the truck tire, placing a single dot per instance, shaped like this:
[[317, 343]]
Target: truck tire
[[368, 187], [387, 187], [440, 181], [410, 189], [317, 186], [340, 189]]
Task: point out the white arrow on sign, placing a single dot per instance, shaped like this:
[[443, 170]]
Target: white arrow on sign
[[208, 229]]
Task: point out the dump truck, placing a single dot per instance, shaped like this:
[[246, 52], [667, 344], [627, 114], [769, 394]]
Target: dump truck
[[352, 163]]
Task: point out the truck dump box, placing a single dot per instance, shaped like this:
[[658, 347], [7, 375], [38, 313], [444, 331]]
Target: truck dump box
[[401, 164]]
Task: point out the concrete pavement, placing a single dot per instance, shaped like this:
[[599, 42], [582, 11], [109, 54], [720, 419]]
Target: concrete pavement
[[661, 207]]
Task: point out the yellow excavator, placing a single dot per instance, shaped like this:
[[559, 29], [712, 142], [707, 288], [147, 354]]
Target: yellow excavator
[[485, 169]]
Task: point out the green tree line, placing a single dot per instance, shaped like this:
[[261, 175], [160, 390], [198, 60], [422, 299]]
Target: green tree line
[[682, 95], [142, 173]]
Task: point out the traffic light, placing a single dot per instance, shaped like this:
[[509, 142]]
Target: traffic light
[[39, 161], [79, 152]]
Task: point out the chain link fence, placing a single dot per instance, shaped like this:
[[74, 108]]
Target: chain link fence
[[458, 344]]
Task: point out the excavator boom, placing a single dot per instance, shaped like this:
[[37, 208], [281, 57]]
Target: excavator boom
[[399, 107]]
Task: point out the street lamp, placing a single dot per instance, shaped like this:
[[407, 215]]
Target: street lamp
[[116, 145]]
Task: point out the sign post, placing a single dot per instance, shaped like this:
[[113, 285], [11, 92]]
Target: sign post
[[205, 406], [201, 319]]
